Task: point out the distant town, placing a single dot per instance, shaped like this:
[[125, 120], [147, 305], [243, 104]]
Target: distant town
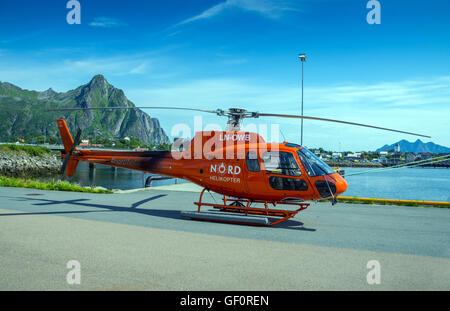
[[373, 158], [96, 142]]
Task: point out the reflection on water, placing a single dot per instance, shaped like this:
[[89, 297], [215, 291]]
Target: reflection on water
[[428, 184], [110, 178]]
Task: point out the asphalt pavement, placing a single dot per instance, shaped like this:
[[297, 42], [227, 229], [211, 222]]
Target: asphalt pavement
[[137, 240]]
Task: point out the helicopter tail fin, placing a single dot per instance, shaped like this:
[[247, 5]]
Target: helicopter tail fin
[[65, 135], [69, 165]]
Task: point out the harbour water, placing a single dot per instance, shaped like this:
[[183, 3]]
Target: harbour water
[[427, 184]]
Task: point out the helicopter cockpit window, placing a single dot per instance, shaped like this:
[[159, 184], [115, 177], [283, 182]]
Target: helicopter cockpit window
[[282, 163], [286, 183], [252, 161], [313, 165]]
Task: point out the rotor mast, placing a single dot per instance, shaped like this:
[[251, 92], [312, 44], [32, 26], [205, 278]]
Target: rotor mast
[[236, 117]]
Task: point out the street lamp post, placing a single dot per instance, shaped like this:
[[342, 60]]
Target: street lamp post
[[302, 59]]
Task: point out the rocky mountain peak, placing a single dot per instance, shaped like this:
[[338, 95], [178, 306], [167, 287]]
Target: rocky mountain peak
[[47, 94], [98, 84], [33, 119], [98, 80], [416, 147]]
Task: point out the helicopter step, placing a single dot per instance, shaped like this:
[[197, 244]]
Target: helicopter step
[[226, 217], [242, 206]]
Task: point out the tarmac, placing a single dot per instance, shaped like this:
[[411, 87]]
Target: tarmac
[[136, 240]]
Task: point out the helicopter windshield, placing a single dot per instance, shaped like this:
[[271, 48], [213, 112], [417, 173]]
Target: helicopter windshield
[[313, 165]]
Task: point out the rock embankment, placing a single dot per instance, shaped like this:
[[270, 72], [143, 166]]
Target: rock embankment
[[20, 164]]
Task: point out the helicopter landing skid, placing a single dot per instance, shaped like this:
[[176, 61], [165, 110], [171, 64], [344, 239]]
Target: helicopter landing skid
[[242, 206]]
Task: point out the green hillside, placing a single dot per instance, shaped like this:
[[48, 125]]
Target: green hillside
[[23, 114]]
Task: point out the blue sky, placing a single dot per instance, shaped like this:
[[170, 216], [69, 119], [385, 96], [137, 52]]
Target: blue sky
[[222, 54]]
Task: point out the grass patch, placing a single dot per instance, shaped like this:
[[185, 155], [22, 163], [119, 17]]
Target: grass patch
[[33, 151], [50, 185], [366, 201], [411, 204]]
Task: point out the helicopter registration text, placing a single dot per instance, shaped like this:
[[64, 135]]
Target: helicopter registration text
[[234, 137]]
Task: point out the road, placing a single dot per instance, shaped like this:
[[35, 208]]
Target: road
[[137, 241]]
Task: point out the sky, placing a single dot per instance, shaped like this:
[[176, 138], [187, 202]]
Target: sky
[[244, 54]]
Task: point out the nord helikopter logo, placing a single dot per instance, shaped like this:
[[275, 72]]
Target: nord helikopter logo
[[225, 169]]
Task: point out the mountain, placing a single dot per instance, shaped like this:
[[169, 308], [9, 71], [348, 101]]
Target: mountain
[[416, 147], [23, 113]]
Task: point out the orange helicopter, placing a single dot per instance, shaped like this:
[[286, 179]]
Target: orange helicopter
[[239, 165]]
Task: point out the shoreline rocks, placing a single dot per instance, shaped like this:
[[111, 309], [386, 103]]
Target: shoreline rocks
[[20, 164]]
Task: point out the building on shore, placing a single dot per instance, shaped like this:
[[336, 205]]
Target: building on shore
[[396, 157], [336, 156], [410, 157], [425, 155]]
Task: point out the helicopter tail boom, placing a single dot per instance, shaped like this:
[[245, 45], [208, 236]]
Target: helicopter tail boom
[[157, 162]]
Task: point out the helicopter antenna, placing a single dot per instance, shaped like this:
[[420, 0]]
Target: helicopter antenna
[[284, 138]]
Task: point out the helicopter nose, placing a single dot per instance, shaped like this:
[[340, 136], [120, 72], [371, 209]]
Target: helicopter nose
[[341, 184]]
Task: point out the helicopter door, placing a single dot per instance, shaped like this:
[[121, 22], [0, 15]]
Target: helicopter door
[[283, 172], [255, 176]]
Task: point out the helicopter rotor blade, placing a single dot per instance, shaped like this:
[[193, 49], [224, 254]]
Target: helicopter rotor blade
[[337, 121], [121, 108], [242, 113], [66, 159]]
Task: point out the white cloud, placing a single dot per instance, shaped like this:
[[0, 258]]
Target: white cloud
[[67, 73], [111, 65], [140, 69], [151, 79], [414, 106], [106, 22], [267, 8]]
